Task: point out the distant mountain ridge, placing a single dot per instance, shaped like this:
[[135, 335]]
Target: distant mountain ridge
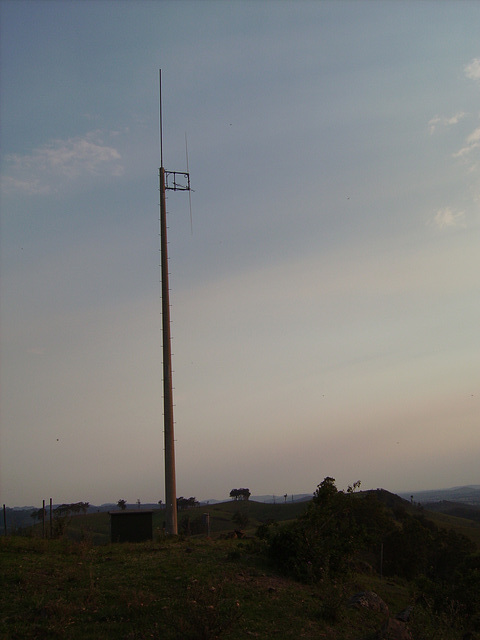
[[468, 494], [269, 498]]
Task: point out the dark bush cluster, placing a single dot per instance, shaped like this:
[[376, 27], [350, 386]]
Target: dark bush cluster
[[341, 528], [322, 542]]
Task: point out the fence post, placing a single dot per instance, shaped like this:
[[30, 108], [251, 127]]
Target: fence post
[[206, 521]]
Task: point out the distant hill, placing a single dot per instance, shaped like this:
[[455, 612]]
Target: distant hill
[[17, 518], [469, 494], [457, 509], [274, 499], [463, 502], [267, 499]]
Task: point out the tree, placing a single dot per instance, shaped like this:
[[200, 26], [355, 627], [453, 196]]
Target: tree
[[186, 503], [240, 494], [61, 518], [122, 504], [38, 514]]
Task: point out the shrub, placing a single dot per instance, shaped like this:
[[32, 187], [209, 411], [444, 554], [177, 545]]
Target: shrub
[[321, 543]]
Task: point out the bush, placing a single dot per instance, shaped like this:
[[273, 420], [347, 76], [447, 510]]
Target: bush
[[338, 527], [322, 542]]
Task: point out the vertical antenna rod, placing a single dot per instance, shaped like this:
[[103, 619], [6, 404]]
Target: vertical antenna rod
[[181, 182], [161, 125]]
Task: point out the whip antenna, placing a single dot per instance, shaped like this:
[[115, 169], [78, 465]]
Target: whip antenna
[[160, 116], [189, 191]]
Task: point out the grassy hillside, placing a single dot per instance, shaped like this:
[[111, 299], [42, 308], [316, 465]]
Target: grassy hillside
[[458, 509], [467, 526], [198, 588], [95, 527], [172, 589], [464, 526]]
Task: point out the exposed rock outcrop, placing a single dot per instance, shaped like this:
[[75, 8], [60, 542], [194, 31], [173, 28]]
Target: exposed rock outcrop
[[394, 629], [368, 600]]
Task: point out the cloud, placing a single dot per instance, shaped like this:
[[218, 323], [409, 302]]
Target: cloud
[[46, 168], [472, 69], [443, 121], [475, 136], [447, 218], [472, 142], [31, 187]]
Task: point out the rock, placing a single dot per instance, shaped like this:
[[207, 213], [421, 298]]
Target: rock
[[404, 616], [394, 629], [233, 535], [368, 600], [360, 566]]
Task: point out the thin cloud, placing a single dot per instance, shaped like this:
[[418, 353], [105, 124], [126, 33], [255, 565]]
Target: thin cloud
[[471, 143], [32, 187], [474, 137], [447, 218], [472, 69], [46, 168], [443, 121]]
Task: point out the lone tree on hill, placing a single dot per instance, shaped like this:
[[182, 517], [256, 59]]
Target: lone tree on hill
[[38, 514], [122, 504], [186, 503], [240, 494]]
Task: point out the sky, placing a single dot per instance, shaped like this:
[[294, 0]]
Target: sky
[[325, 299]]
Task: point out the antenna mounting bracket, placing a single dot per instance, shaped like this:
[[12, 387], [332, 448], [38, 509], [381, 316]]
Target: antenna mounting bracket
[[177, 181]]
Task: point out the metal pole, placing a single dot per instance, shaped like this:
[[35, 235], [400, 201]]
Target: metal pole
[[43, 519], [4, 520], [170, 488]]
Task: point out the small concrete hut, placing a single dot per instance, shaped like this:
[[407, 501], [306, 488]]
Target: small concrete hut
[[131, 526]]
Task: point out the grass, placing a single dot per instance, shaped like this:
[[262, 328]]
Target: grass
[[468, 528], [83, 587], [169, 589]]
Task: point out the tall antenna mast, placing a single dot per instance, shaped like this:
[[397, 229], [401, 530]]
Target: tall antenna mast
[[172, 181]]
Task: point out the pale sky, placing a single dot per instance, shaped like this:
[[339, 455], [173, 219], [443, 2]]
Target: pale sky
[[326, 308]]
